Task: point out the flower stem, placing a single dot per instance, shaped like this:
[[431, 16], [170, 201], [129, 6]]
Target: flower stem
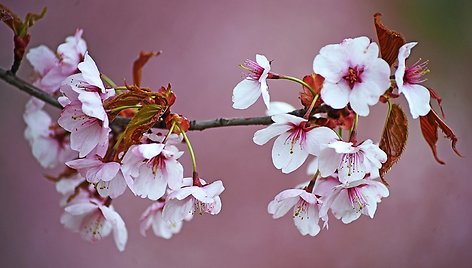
[[170, 132], [190, 149], [118, 109], [312, 105], [311, 185], [108, 80], [301, 82], [352, 131], [340, 133]]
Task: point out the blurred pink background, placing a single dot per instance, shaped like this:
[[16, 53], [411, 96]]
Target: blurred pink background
[[426, 221]]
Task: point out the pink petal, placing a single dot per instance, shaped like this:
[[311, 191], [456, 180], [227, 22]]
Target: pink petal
[[120, 234], [90, 72], [42, 59]]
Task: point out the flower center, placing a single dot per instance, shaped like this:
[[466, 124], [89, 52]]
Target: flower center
[[200, 207], [353, 76], [255, 70], [297, 133], [352, 161], [301, 209], [357, 199], [415, 74]]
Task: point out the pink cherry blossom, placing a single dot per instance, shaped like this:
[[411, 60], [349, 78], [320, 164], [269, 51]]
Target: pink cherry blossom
[[108, 176], [408, 81], [87, 82], [53, 70], [191, 199], [351, 162], [152, 217], [295, 142], [348, 201], [94, 221], [250, 89], [50, 143], [154, 167], [305, 209], [88, 133], [353, 74]]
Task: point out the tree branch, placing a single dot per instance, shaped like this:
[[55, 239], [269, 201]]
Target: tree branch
[[121, 121], [11, 79]]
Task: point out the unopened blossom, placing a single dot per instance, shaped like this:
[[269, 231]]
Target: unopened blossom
[[250, 89], [353, 74], [107, 175], [152, 217], [305, 209], [94, 221], [408, 81], [295, 140], [348, 201], [192, 199], [51, 69], [153, 167], [352, 162], [50, 144]]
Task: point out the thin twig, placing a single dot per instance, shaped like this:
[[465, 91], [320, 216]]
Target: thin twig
[[19, 83], [121, 122]]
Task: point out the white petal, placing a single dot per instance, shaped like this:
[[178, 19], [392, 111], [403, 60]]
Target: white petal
[[90, 72], [286, 155], [308, 223], [280, 208], [246, 93], [42, 59], [418, 98], [279, 107], [120, 234], [335, 95], [317, 137], [262, 136]]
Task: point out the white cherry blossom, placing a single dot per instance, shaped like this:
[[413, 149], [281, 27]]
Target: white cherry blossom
[[305, 206], [408, 81], [348, 201], [295, 140], [353, 74], [351, 162], [254, 85]]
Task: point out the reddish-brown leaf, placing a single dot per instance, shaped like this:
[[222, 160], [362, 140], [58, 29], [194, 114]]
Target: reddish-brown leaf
[[435, 95], [394, 137], [147, 116], [165, 96], [390, 41], [316, 83], [139, 63], [429, 127]]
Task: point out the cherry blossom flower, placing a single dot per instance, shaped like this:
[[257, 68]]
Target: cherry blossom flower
[[83, 114], [353, 74], [295, 142], [408, 81], [94, 221], [153, 167], [50, 144], [53, 70], [191, 199], [250, 89], [305, 206], [351, 162], [348, 201], [107, 175], [89, 127], [152, 217]]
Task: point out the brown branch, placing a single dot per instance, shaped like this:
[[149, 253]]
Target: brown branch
[[13, 80], [121, 122]]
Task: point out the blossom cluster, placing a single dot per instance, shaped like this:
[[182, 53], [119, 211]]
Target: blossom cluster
[[346, 174], [101, 162], [111, 138]]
